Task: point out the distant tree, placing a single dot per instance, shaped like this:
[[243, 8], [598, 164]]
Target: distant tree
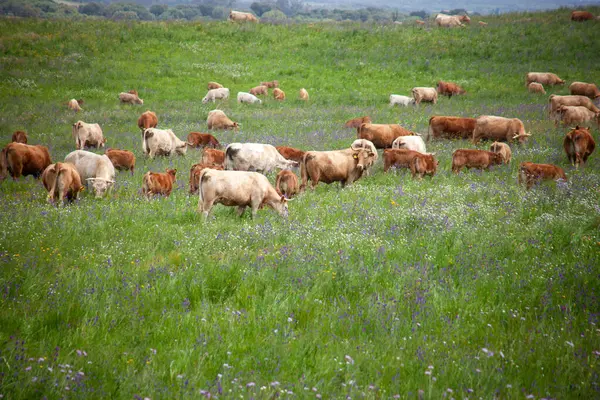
[[260, 8], [140, 11], [125, 15], [395, 15], [284, 6], [92, 9], [274, 15], [423, 14], [363, 15], [158, 9], [206, 9], [189, 12], [220, 13], [458, 11], [172, 14]]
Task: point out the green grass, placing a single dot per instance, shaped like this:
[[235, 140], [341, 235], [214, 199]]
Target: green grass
[[363, 291]]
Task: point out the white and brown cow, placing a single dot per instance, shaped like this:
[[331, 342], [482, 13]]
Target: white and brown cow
[[255, 157], [162, 142], [87, 135]]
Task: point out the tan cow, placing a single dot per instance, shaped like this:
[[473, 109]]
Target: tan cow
[[19, 137], [535, 87], [122, 160], [344, 166], [469, 158], [357, 122], [545, 78], [481, 23], [303, 94], [424, 94], [19, 159], [214, 85], [499, 129], [581, 16], [238, 16], [147, 120], [419, 22], [87, 135], [530, 173], [195, 172], [197, 139], [130, 98], [286, 183], [557, 101], [278, 94], [213, 157], [449, 21], [449, 89], [74, 105], [578, 145], [218, 120], [62, 182], [291, 153], [270, 85], [577, 114], [584, 89], [158, 183], [382, 135], [259, 90], [450, 127], [419, 164], [503, 149]]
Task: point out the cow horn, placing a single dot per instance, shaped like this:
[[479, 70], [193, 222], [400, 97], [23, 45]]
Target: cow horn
[[516, 136]]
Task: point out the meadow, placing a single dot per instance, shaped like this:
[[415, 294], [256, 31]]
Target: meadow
[[460, 286]]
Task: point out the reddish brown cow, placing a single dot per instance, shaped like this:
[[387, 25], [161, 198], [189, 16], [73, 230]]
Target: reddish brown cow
[[291, 153], [19, 159], [579, 144], [530, 173], [19, 137], [420, 164], [452, 127], [197, 139], [123, 160], [286, 183], [449, 89], [480, 159], [270, 85], [382, 135], [133, 91], [147, 120], [357, 122], [213, 157], [214, 85], [158, 183], [581, 16], [278, 94], [62, 181], [195, 172], [584, 89], [259, 90]]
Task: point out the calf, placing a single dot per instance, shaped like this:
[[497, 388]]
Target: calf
[[278, 94], [286, 183], [259, 90], [130, 98], [578, 145], [449, 89], [197, 139], [503, 149], [270, 85], [581, 16], [291, 153], [62, 181], [418, 163], [400, 100], [530, 173], [74, 105], [122, 160], [415, 143], [303, 94], [218, 120], [216, 94], [535, 87], [480, 159], [87, 135], [213, 157], [147, 120], [19, 137], [19, 159], [195, 172], [158, 183]]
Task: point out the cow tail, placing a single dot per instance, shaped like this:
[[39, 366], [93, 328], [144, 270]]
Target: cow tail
[[430, 129], [147, 135], [54, 191], [304, 172]]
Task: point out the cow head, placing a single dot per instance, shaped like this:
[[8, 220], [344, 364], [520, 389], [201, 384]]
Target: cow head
[[521, 137], [78, 125], [171, 173], [465, 19], [100, 185], [139, 101], [282, 206]]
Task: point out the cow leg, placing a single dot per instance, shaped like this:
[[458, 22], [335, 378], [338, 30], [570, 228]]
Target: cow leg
[[205, 207], [240, 210]]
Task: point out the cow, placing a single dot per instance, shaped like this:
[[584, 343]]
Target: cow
[[584, 89], [147, 120], [238, 16], [133, 91], [499, 129], [545, 78], [62, 182], [418, 163], [243, 97], [535, 87], [449, 89], [158, 183], [270, 85], [89, 135], [259, 90], [216, 94], [19, 137], [290, 153], [370, 147], [94, 169], [578, 145], [213, 157], [581, 16], [303, 94], [449, 21], [238, 188], [382, 135], [344, 166], [419, 22], [197, 139], [195, 172], [481, 23], [450, 127], [357, 122], [469, 158], [122, 160], [255, 157], [214, 85], [286, 184], [74, 105], [400, 100], [577, 114], [218, 120], [278, 94], [530, 173], [503, 149], [557, 101], [424, 94], [414, 143], [162, 142], [18, 159], [129, 98]]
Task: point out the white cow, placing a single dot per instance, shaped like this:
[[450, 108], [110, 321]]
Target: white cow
[[214, 94], [130, 98], [449, 21], [243, 97], [400, 100], [255, 157], [162, 142], [89, 135], [94, 169], [414, 143]]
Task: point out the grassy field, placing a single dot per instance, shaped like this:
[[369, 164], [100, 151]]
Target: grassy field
[[457, 286]]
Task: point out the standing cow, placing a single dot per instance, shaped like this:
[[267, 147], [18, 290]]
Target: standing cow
[[581, 16], [259, 90], [216, 94], [424, 94], [213, 157], [503, 149], [545, 78], [130, 98], [19, 137], [19, 159], [584, 89], [303, 95], [158, 183], [197, 139], [535, 87], [530, 173], [449, 21], [122, 160], [195, 172], [382, 135], [147, 120], [418, 163], [218, 120], [238, 16], [577, 114], [401, 100], [162, 142], [414, 143], [243, 97], [499, 129], [62, 182], [93, 169], [344, 166], [357, 122], [578, 145], [449, 89], [469, 158], [451, 127], [87, 135], [255, 157], [286, 183]]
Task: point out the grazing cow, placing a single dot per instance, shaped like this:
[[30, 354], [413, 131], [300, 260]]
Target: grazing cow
[[581, 16], [451, 127], [344, 166], [197, 139], [89, 135], [122, 160], [503, 149], [129, 98], [414, 143], [449, 21], [303, 94], [158, 183], [290, 153], [419, 22], [238, 16], [216, 94], [577, 114], [213, 157], [545, 78], [238, 188], [74, 105], [530, 173], [424, 94], [578, 145], [357, 122], [469, 158], [214, 85], [400, 100], [418, 163], [94, 169], [584, 89], [499, 129], [243, 97], [278, 94], [218, 120], [449, 89], [557, 101], [19, 159], [195, 172], [162, 142], [259, 90], [270, 85], [62, 182], [535, 87], [382, 135], [481, 23], [19, 137], [286, 183], [147, 120], [255, 157]]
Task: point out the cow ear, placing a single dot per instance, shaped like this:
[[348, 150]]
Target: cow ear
[[283, 199]]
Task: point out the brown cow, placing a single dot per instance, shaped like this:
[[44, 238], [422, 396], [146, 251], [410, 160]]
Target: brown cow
[[545, 78], [503, 149], [303, 94], [74, 105], [469, 158], [133, 91], [259, 90], [218, 120], [530, 173], [147, 120], [122, 160], [197, 139], [62, 181], [449, 89], [557, 101], [195, 172], [382, 135], [419, 164], [158, 183], [453, 127], [577, 114], [584, 89], [535, 87], [357, 122], [291, 153], [19, 159], [344, 166], [581, 16], [286, 183], [578, 145], [419, 22], [481, 23], [270, 85], [499, 129], [19, 137], [278, 94], [214, 85], [213, 157]]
